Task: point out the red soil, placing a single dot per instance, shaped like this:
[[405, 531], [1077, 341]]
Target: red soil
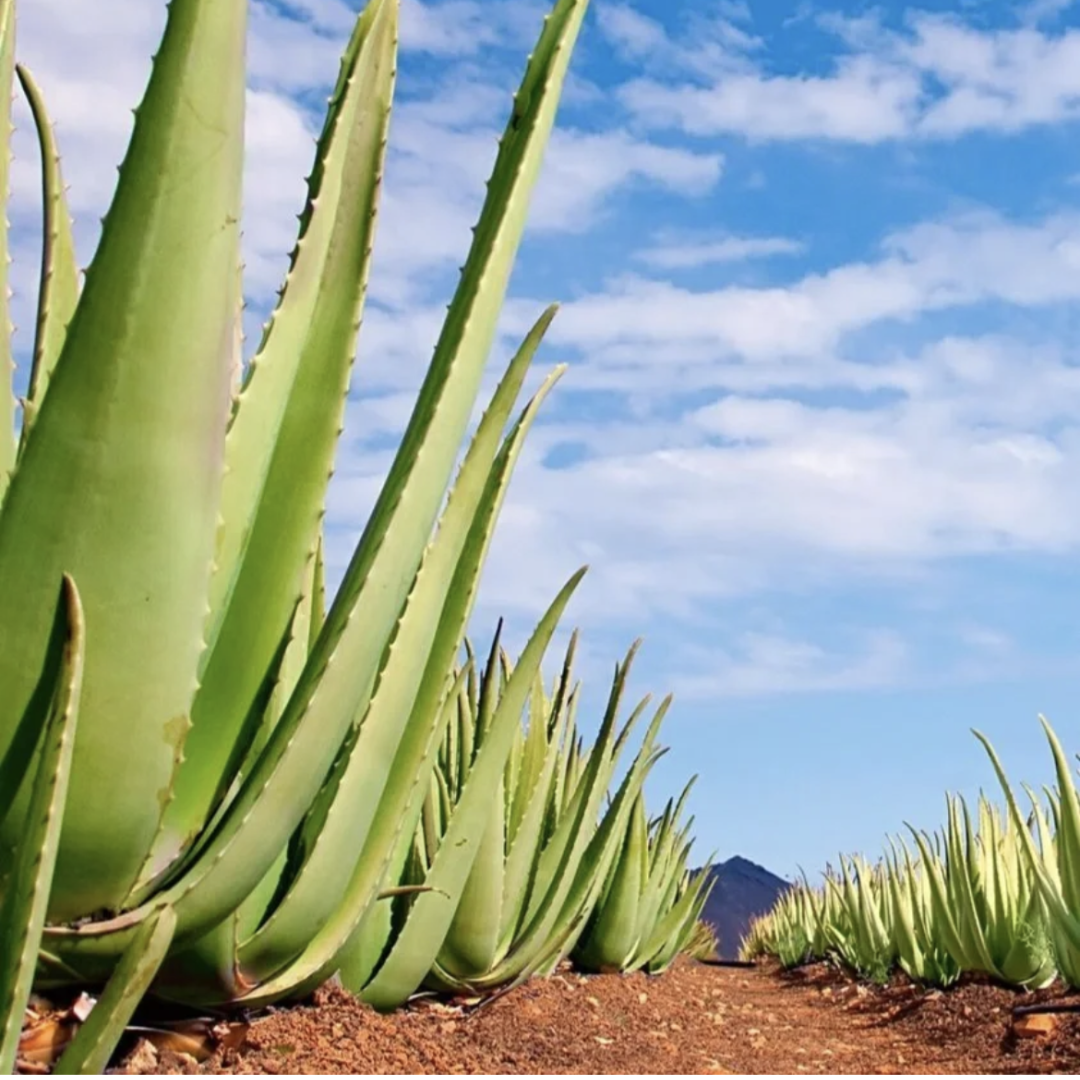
[[694, 1020]]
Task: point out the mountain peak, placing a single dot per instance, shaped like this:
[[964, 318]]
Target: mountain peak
[[740, 864], [742, 889]]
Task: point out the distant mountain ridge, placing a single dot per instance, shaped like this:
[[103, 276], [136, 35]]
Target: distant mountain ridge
[[741, 890]]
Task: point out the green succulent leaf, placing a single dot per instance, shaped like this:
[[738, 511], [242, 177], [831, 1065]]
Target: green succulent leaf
[[94, 1043], [394, 741], [58, 294], [280, 447], [613, 935], [398, 808], [125, 456], [335, 689], [53, 710]]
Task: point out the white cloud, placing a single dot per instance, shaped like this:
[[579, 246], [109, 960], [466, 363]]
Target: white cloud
[[985, 639], [633, 34], [965, 261], [965, 446], [770, 664], [865, 101], [582, 168], [939, 78], [1037, 11], [707, 43], [684, 255], [1003, 80]]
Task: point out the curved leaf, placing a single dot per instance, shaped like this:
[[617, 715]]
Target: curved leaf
[[119, 479], [54, 711], [58, 293]]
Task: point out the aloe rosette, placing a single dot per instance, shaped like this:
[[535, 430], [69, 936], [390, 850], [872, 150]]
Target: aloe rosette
[[649, 907], [243, 760], [535, 795], [1049, 844], [986, 908]]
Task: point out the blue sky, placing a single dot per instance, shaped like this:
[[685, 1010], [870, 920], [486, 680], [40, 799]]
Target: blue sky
[[820, 273]]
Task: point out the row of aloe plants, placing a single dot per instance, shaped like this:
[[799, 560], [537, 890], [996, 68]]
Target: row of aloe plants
[[995, 893], [214, 786]]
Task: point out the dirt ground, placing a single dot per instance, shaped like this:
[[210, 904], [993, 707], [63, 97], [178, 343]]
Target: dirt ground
[[696, 1019]]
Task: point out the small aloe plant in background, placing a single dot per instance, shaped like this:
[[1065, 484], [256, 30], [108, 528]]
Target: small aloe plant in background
[[535, 796], [994, 893]]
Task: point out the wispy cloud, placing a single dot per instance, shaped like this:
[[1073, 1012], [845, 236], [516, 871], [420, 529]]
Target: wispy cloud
[[690, 254], [706, 44], [938, 78], [762, 664]]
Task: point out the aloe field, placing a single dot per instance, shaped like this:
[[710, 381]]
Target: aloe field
[[992, 894], [236, 784]]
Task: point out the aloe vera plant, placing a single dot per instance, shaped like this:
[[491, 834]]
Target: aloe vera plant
[[530, 797], [245, 760], [1052, 855], [650, 904], [985, 904]]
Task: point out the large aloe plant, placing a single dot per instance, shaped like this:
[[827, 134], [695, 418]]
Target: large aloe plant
[[244, 761]]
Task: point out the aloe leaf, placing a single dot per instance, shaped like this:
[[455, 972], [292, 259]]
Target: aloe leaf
[[89, 1052], [430, 917], [944, 922], [667, 866], [1065, 924], [7, 365], [59, 289], [366, 946], [610, 940], [292, 664], [542, 949], [54, 712], [525, 845], [119, 479], [322, 952], [539, 756], [340, 675], [669, 932], [211, 961], [280, 447], [318, 593], [960, 875], [265, 712], [558, 861], [553, 931], [1069, 817], [907, 942], [677, 925], [473, 935]]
